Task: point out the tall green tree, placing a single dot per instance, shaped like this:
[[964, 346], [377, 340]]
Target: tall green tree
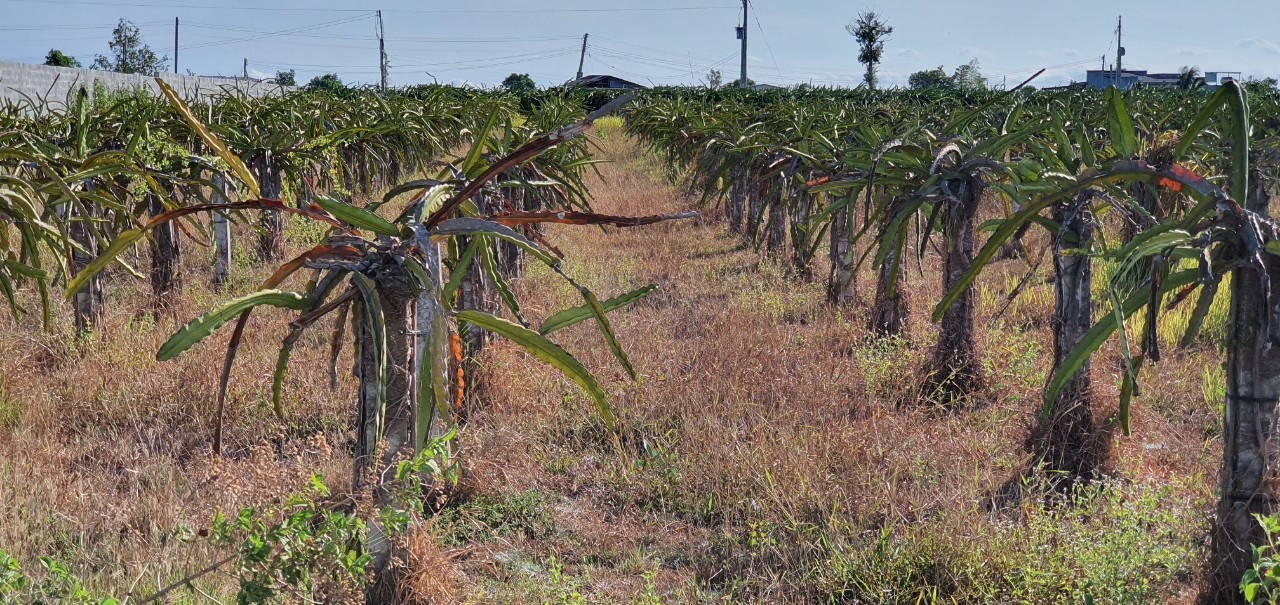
[[1189, 78], [57, 59], [930, 78], [871, 31], [714, 79], [130, 53], [969, 77], [326, 83], [520, 84], [287, 78]]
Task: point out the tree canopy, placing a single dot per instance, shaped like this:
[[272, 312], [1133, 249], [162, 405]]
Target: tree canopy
[[56, 58], [326, 83], [966, 77], [1189, 77], [871, 31], [930, 78], [130, 53], [520, 84]]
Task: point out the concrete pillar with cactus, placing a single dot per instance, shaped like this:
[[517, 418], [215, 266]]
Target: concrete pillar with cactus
[[166, 257], [735, 210], [271, 234], [1253, 388], [842, 284], [800, 205], [221, 232], [755, 188], [955, 368], [776, 229], [89, 301], [1066, 443]]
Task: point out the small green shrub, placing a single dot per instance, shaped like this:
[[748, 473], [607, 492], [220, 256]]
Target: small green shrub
[[881, 362], [305, 232], [10, 413], [609, 126], [487, 517], [58, 586], [309, 546], [1115, 542], [1261, 584], [1174, 322]]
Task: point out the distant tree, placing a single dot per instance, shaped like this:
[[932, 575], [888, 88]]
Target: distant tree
[[969, 77], [714, 80], [130, 54], [871, 32], [287, 78], [1263, 86], [520, 84], [930, 78], [1189, 78], [966, 77], [326, 83], [57, 59], [734, 83]]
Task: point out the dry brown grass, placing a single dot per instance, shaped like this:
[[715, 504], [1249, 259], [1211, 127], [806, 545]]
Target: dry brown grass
[[107, 451], [765, 456]]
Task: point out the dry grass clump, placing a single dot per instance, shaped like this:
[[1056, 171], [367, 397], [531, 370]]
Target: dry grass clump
[[766, 454], [108, 451], [429, 573]]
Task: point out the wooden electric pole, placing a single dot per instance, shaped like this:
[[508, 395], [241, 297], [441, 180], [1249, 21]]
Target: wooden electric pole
[[1119, 51], [742, 81], [583, 56], [175, 45], [382, 53]]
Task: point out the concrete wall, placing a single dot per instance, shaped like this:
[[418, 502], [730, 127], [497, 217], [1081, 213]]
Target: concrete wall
[[56, 83]]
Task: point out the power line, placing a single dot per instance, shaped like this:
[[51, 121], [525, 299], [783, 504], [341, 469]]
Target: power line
[[360, 10], [679, 67], [529, 56], [680, 55], [330, 36], [617, 69], [15, 28], [487, 63], [766, 39], [282, 32]]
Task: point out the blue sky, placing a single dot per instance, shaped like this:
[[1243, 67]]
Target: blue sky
[[657, 41]]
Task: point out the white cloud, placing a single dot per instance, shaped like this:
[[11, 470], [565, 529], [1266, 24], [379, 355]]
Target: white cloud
[[1055, 56], [1259, 44], [908, 53], [973, 52], [260, 75], [1194, 51]]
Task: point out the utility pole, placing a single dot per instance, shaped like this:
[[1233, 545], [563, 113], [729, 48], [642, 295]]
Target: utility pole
[[742, 81], [175, 45], [246, 68], [583, 56], [382, 53], [1119, 50]]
